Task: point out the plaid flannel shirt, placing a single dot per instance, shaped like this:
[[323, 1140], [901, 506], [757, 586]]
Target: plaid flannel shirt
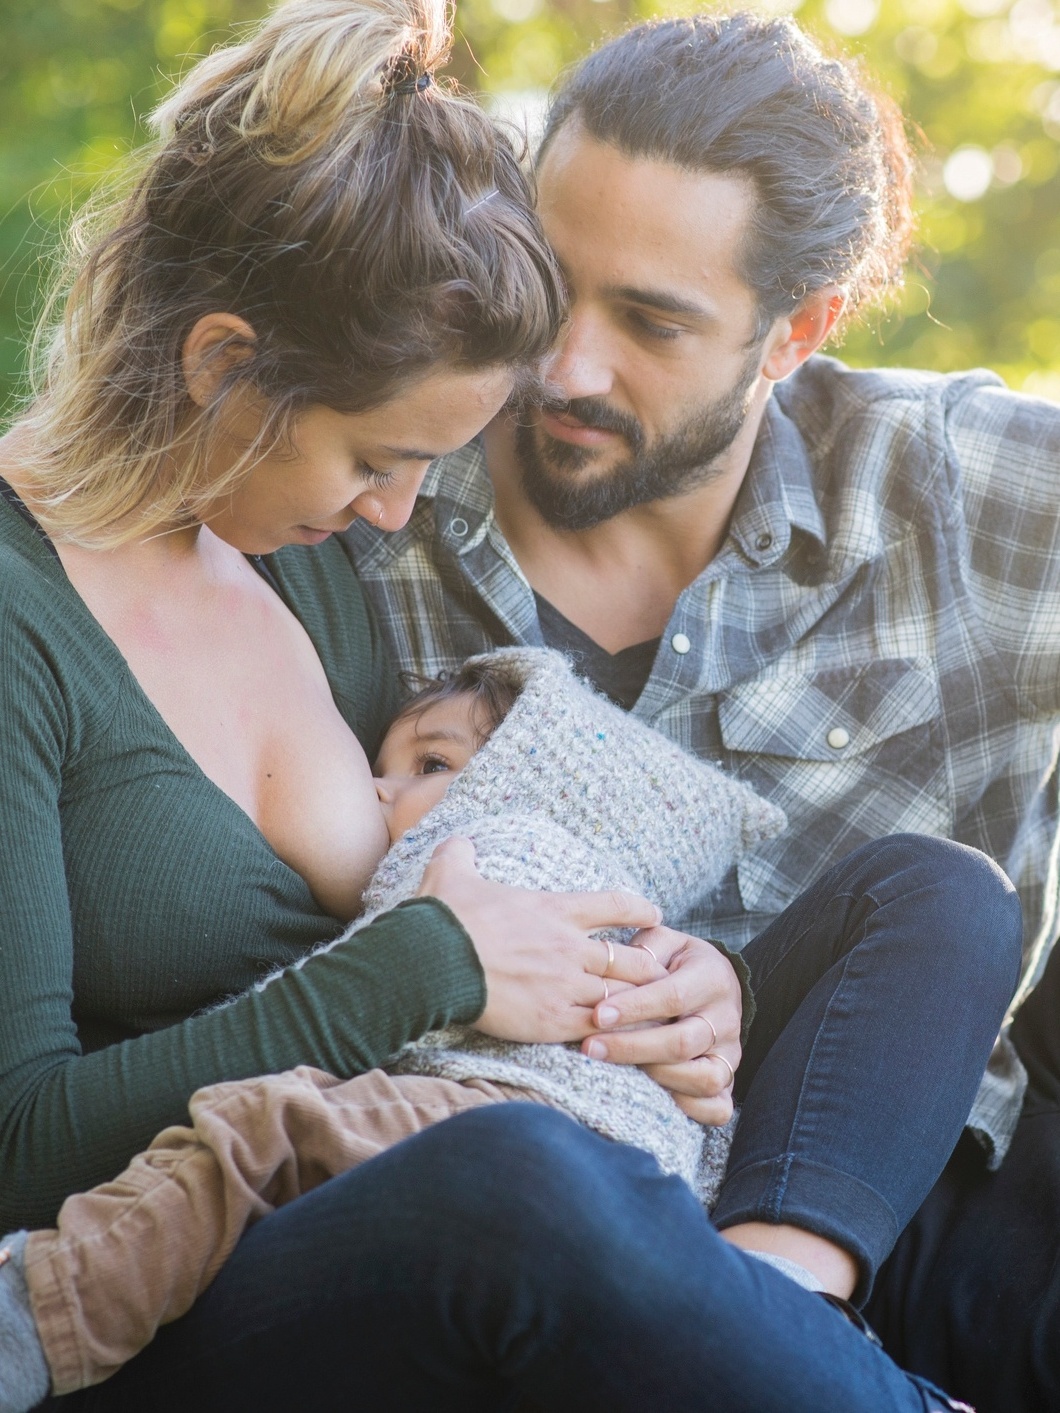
[[876, 647]]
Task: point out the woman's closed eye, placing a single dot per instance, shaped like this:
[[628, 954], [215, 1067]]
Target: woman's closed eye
[[378, 480]]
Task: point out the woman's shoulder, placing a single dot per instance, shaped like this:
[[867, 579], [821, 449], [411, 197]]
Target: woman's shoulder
[[33, 586], [51, 649]]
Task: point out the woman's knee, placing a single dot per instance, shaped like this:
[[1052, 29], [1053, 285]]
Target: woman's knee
[[534, 1187], [527, 1162]]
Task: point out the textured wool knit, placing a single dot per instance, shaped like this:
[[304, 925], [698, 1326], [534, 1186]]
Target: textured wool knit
[[571, 793], [134, 893]]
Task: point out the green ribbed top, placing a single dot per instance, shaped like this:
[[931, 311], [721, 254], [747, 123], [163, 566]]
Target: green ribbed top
[[135, 895]]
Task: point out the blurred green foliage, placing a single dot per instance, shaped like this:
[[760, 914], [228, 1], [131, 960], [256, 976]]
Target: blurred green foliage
[[979, 80]]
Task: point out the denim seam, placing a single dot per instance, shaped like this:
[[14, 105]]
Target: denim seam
[[759, 978], [799, 1105]]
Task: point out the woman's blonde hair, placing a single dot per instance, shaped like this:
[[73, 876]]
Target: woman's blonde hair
[[318, 182]]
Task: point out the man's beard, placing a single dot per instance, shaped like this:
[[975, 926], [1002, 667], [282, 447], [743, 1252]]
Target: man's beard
[[674, 465]]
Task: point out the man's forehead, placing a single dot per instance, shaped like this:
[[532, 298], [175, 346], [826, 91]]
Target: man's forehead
[[648, 213]]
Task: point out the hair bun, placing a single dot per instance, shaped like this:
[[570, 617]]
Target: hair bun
[[310, 78]]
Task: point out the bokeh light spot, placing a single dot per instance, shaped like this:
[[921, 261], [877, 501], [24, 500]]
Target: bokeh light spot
[[968, 172]]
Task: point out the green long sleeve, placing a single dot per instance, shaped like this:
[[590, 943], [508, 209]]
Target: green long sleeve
[[136, 898]]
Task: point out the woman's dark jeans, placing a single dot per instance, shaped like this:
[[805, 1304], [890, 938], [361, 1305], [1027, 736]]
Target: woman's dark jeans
[[509, 1252]]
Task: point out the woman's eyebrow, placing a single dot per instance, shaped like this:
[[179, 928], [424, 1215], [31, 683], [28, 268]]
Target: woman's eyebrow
[[408, 453]]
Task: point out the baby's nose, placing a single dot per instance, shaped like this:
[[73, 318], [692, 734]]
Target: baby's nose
[[383, 790]]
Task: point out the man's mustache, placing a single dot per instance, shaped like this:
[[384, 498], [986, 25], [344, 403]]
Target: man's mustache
[[593, 412]]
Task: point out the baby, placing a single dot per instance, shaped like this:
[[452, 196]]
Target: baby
[[557, 789]]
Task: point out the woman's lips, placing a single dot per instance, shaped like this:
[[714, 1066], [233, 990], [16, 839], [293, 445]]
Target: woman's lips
[[311, 536], [567, 428]]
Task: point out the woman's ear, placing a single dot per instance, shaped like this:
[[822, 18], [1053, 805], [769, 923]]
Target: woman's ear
[[795, 338], [205, 359]]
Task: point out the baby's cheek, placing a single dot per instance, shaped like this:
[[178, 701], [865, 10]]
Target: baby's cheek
[[418, 797]]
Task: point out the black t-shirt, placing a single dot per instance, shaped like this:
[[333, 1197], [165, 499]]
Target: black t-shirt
[[620, 676]]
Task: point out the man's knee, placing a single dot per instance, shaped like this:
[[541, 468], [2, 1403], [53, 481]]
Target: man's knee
[[965, 905]]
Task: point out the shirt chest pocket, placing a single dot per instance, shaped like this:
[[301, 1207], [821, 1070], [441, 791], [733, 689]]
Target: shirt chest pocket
[[851, 754]]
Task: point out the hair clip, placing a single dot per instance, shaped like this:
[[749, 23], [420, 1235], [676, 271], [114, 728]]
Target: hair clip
[[413, 85], [404, 75]]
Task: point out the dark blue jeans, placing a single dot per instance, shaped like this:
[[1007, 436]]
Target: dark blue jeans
[[971, 1294], [880, 991], [509, 1253]]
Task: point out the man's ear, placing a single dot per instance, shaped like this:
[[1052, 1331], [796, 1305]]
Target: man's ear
[[216, 342], [792, 340]]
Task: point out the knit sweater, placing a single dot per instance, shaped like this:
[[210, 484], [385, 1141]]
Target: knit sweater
[[571, 793], [134, 894]]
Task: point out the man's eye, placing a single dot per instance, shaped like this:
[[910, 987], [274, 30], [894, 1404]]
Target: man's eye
[[650, 329], [432, 765]]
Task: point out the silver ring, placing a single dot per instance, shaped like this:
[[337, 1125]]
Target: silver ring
[[713, 1055], [610, 955], [606, 992], [645, 948]]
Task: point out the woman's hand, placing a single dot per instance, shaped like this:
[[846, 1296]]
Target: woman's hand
[[695, 1055], [544, 972]]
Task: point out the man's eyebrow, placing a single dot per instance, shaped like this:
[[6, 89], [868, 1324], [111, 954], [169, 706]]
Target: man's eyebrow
[[662, 300]]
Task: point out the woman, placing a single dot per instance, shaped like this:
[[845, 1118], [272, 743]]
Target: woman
[[327, 275], [258, 350]]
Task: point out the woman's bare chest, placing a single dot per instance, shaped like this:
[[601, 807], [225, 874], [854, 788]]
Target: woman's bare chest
[[236, 679]]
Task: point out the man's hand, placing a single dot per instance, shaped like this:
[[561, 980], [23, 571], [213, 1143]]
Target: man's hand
[[686, 1026]]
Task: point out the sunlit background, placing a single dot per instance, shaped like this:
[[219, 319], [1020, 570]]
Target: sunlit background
[[979, 80]]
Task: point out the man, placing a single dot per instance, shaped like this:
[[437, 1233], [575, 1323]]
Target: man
[[845, 586]]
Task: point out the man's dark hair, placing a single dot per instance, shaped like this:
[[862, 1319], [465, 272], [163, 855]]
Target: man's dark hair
[[748, 95]]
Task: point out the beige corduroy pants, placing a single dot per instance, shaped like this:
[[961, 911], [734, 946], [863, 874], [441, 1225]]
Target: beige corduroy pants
[[134, 1253]]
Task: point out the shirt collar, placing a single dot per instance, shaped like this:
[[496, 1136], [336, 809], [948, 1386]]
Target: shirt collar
[[455, 503], [777, 495]]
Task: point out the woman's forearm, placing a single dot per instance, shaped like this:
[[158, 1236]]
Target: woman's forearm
[[73, 1121]]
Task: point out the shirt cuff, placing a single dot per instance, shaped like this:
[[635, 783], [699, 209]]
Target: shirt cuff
[[743, 976]]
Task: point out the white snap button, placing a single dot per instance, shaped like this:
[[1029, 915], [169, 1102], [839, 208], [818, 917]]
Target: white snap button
[[458, 527], [838, 737], [681, 643]]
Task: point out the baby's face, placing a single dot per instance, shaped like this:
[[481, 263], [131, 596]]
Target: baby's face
[[421, 757]]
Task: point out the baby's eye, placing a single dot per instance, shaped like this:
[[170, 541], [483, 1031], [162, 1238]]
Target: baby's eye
[[432, 765]]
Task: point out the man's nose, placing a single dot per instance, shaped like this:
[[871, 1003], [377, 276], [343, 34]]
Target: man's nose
[[581, 365]]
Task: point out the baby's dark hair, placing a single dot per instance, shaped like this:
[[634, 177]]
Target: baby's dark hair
[[489, 684]]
